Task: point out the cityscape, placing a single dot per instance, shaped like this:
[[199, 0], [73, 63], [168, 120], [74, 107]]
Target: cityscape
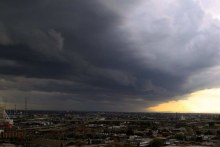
[[109, 73], [109, 129]]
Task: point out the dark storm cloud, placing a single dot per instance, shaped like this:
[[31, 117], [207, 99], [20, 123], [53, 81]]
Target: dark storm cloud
[[94, 55]]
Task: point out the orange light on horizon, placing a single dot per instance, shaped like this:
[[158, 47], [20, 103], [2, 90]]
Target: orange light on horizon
[[203, 101]]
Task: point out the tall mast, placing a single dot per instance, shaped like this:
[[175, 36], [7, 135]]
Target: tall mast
[[25, 105]]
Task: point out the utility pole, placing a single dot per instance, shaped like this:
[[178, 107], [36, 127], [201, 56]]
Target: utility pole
[[15, 111], [25, 103]]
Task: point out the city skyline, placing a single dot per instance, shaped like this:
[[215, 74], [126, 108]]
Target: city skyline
[[111, 55]]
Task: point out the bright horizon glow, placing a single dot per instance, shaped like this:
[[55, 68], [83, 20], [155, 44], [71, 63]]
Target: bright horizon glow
[[203, 101]]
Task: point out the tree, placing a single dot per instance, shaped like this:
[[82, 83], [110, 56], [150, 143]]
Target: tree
[[129, 132], [156, 143]]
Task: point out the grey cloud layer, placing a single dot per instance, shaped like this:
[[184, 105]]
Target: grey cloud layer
[[104, 55]]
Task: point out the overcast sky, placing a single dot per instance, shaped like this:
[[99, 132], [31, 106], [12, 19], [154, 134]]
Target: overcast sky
[[107, 55]]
